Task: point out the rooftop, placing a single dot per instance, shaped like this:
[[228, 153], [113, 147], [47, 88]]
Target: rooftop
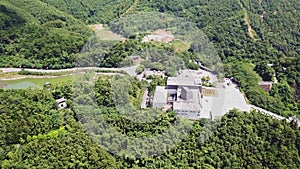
[[186, 106], [61, 100], [265, 83], [183, 81], [266, 86], [160, 95], [190, 95]]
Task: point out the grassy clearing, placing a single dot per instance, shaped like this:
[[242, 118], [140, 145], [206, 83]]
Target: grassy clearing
[[103, 34], [179, 45], [8, 75], [108, 35], [34, 82]]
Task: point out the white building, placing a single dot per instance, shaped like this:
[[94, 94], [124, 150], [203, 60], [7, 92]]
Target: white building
[[187, 109], [61, 103], [160, 97], [188, 102], [184, 93], [184, 81]]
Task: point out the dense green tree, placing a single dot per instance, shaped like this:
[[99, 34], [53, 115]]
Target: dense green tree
[[265, 71]]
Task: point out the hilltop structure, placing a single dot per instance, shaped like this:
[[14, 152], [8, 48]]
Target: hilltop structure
[[183, 94]]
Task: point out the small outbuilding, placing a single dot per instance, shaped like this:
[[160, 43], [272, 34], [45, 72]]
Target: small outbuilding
[[47, 85], [61, 103], [266, 86]]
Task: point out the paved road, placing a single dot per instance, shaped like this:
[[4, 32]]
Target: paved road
[[144, 102], [129, 70], [276, 116]]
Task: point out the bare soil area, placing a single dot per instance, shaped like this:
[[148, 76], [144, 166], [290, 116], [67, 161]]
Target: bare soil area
[[160, 36]]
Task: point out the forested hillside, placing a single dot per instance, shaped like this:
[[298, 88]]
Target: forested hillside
[[273, 38], [92, 11], [255, 39], [36, 135], [34, 34]]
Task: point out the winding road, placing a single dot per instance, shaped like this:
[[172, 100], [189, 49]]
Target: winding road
[[129, 70], [275, 116]]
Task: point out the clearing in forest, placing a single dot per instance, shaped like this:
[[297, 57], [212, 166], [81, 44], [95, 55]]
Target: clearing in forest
[[104, 34], [159, 36]]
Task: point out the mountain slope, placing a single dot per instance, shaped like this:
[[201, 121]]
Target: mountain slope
[[92, 11], [35, 34]]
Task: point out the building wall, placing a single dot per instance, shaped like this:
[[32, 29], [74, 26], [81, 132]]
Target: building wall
[[158, 105], [188, 114], [184, 94], [62, 105]]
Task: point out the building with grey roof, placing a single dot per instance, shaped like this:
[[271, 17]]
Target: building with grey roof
[[183, 81], [184, 94], [188, 103], [190, 94]]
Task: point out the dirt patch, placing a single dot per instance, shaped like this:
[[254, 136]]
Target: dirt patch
[[109, 35], [262, 16], [104, 34], [159, 36], [250, 30], [97, 27], [246, 19]]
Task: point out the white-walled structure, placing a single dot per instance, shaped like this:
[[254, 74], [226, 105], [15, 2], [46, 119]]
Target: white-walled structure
[[160, 97], [183, 93]]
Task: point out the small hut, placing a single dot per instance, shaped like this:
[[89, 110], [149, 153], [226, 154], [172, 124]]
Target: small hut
[[47, 85], [266, 86], [61, 103]]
